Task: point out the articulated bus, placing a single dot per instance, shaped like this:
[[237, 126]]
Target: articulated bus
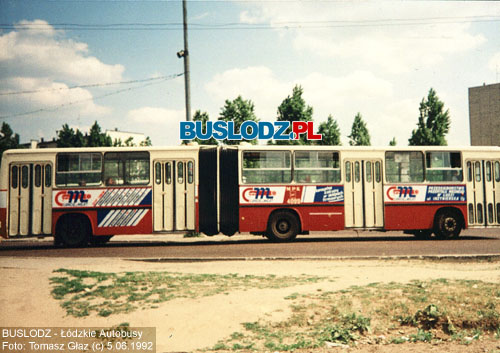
[[87, 195]]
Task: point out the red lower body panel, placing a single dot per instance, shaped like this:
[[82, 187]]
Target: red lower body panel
[[312, 218]]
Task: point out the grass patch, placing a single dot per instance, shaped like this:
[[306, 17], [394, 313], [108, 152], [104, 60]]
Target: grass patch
[[431, 311], [84, 293]]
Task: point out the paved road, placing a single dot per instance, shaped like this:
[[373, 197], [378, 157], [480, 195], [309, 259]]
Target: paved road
[[317, 245]]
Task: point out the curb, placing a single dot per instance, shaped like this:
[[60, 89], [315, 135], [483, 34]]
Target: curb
[[465, 258]]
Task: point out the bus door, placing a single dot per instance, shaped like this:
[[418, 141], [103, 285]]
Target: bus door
[[30, 199], [363, 194], [174, 195], [483, 192]]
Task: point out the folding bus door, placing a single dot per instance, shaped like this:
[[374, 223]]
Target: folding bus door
[[30, 199], [174, 195], [483, 192], [363, 194]]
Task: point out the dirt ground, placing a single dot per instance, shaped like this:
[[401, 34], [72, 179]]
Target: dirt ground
[[184, 325]]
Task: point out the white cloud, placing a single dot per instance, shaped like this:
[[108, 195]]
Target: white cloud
[[45, 53], [494, 63], [162, 123], [342, 97], [155, 115], [396, 38], [43, 60]]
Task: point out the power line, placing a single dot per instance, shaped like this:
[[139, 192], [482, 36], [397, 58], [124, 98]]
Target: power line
[[11, 93], [50, 109], [242, 26]]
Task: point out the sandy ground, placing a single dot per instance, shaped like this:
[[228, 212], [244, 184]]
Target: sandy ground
[[189, 324]]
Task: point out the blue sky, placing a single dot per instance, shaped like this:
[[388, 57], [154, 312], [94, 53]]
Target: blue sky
[[379, 58]]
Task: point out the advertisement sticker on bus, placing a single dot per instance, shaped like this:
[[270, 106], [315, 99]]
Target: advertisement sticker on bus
[[102, 198], [262, 194], [422, 193], [319, 194]]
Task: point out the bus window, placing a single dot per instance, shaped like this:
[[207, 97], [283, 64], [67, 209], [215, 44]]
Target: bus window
[[369, 172], [190, 168], [14, 177], [126, 168], [404, 167], [443, 166], [348, 172], [38, 175], [497, 173], [490, 213], [78, 169], [263, 167], [479, 213], [316, 167], [357, 172], [378, 174], [168, 173], [180, 172], [24, 176], [157, 173], [469, 171], [488, 171], [48, 176], [478, 172]]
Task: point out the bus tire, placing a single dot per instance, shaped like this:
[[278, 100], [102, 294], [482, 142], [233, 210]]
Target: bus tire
[[73, 231], [448, 225], [282, 226]]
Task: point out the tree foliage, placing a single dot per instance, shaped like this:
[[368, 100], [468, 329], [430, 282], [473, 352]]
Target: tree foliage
[[204, 118], [67, 137], [8, 139], [238, 111], [359, 132], [330, 131], [433, 122], [294, 108]]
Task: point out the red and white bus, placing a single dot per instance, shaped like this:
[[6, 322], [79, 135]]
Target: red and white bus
[[82, 195]]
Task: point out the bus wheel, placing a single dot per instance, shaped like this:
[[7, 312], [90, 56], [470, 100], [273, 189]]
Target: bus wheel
[[73, 231], [283, 226], [423, 234], [448, 225], [100, 239]]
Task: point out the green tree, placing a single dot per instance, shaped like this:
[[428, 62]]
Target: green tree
[[359, 132], [330, 131], [393, 142], [67, 137], [96, 138], [8, 139], [294, 108], [238, 111], [204, 118], [146, 142], [433, 122]]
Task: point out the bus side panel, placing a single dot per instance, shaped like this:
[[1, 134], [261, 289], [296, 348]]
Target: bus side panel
[[110, 211], [3, 213], [312, 218], [410, 217]]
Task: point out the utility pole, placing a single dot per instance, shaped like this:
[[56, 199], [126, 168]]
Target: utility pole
[[185, 54]]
